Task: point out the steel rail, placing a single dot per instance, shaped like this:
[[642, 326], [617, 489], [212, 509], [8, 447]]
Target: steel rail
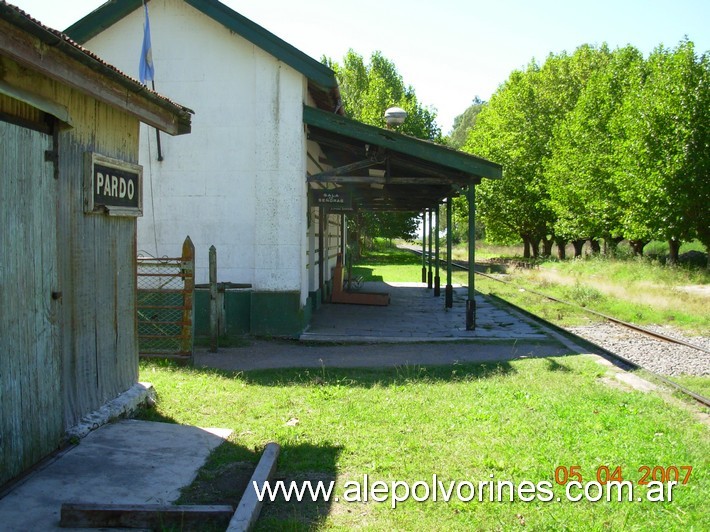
[[628, 325], [701, 399]]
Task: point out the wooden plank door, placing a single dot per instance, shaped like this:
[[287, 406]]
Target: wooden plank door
[[31, 423]]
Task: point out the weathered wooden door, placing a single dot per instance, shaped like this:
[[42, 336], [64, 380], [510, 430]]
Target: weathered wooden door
[[31, 424]]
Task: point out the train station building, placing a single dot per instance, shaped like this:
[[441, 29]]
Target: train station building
[[272, 167]]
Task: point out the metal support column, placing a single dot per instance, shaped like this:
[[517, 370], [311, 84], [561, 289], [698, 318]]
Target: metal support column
[[424, 246], [430, 275], [437, 264], [449, 237], [471, 302], [343, 237], [321, 254]]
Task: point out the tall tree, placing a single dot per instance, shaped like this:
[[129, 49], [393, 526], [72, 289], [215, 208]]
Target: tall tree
[[582, 162], [464, 123], [368, 89], [663, 176]]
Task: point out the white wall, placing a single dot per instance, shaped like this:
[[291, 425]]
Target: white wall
[[238, 180]]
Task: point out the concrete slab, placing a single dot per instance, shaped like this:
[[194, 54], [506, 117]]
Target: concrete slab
[[415, 315], [127, 462]]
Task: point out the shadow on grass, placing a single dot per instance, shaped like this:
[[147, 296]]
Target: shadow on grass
[[226, 475], [357, 377], [366, 274], [553, 365], [391, 256]]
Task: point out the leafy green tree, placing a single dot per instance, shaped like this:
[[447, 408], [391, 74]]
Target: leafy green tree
[[505, 133], [464, 123], [700, 144], [581, 167], [516, 129], [663, 173], [367, 91]]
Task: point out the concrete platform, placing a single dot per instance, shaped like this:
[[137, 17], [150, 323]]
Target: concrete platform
[[127, 462], [415, 315], [262, 354]]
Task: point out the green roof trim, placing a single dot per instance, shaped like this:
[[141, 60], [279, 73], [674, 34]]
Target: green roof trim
[[411, 146], [114, 10], [101, 18]]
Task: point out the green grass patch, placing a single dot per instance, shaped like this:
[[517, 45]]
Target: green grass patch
[[393, 265], [698, 384], [517, 294], [632, 290], [516, 421]]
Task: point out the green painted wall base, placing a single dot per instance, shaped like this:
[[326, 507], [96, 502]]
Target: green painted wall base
[[256, 313], [315, 300]]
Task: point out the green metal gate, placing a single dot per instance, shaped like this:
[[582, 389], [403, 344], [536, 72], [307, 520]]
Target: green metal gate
[[166, 288]]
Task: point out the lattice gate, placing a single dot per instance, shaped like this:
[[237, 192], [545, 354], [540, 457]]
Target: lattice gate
[[166, 288]]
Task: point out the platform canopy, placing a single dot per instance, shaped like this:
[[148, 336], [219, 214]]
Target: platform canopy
[[383, 170]]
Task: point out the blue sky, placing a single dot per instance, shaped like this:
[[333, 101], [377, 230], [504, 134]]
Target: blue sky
[[451, 50]]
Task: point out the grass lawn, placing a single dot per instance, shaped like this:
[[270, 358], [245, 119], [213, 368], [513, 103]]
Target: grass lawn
[[510, 422], [516, 421], [638, 290], [634, 290]]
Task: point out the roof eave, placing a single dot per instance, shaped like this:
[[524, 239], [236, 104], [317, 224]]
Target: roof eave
[[320, 76], [422, 149], [59, 58]]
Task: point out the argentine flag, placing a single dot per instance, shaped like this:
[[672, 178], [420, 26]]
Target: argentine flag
[[146, 70]]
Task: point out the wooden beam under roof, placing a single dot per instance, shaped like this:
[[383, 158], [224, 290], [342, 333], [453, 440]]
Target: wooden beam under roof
[[378, 180]]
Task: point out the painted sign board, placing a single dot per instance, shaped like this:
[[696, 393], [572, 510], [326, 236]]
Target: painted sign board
[[333, 199], [112, 186]]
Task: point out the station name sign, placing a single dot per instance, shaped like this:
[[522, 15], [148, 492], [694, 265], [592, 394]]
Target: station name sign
[[335, 200], [112, 186]]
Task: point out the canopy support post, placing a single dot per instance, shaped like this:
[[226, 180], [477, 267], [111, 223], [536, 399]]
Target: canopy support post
[[449, 237], [471, 302]]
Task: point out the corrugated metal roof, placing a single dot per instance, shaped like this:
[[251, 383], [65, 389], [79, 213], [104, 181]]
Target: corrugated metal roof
[[61, 41]]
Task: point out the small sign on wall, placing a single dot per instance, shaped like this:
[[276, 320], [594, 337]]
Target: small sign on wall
[[112, 186], [334, 199]]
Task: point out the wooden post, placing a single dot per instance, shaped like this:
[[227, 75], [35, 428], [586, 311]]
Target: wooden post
[[471, 302], [188, 268], [214, 318], [249, 507], [437, 279], [424, 246], [449, 237]]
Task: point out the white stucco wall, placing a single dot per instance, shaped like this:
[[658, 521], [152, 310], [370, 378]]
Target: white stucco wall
[[238, 180]]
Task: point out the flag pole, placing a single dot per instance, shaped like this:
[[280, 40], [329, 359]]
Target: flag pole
[[146, 69], [157, 132]]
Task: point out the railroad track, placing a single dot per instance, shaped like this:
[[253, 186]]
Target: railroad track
[[631, 326]]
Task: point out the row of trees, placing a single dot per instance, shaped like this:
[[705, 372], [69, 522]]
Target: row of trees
[[598, 144]]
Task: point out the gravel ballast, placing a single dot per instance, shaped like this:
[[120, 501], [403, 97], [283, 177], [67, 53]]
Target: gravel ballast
[[656, 355]]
